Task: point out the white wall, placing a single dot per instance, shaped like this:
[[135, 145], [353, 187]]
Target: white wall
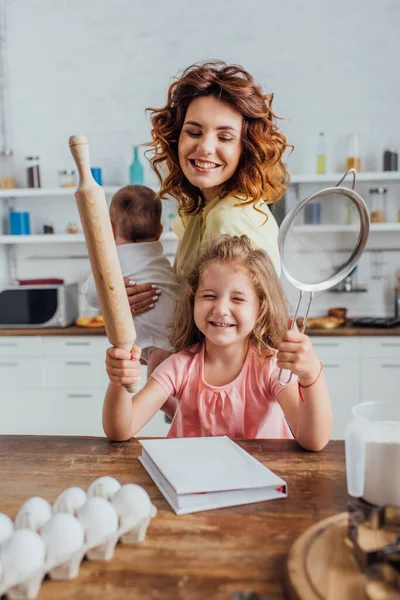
[[93, 66]]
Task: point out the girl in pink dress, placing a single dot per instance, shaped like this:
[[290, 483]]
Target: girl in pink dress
[[231, 338]]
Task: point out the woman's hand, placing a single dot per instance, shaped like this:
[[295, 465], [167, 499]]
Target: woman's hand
[[141, 297], [296, 354], [123, 367]]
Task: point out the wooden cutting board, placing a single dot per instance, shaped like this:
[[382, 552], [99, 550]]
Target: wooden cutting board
[[321, 565]]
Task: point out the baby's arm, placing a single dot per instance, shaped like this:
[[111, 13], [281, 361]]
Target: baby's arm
[[90, 293], [124, 415], [311, 419]]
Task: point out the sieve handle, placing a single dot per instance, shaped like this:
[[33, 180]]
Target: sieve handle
[[354, 174], [303, 327]]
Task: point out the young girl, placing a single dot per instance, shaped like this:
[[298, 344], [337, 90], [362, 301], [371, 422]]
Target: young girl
[[217, 150], [230, 335]]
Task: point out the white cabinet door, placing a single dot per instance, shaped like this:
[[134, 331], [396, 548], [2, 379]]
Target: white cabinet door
[[21, 345], [340, 359], [79, 371], [342, 379], [51, 412], [21, 373], [380, 379], [76, 346], [25, 412]]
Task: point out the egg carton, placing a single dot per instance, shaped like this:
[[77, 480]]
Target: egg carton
[[53, 540]]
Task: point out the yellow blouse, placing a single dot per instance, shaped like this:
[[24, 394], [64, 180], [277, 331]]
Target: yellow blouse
[[222, 216]]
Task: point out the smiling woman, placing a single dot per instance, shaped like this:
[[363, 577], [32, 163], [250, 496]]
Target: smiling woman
[[217, 141]]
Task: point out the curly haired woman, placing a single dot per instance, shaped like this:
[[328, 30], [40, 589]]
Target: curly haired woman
[[217, 150]]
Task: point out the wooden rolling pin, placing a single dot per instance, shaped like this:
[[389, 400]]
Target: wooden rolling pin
[[96, 225]]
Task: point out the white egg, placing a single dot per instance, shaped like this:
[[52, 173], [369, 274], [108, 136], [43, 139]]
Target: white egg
[[100, 522], [70, 501], [33, 514], [135, 510], [6, 527], [63, 535], [22, 556], [98, 519], [104, 487]]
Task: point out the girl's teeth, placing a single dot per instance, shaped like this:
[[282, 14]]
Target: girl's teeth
[[204, 165]]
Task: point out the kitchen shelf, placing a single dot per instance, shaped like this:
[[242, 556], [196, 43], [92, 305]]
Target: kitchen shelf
[[111, 189], [69, 238], [374, 227], [44, 192], [335, 177]]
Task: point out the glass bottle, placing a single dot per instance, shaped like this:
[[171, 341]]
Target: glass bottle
[[136, 169], [378, 204], [7, 179], [321, 154], [353, 157], [33, 171], [390, 160]]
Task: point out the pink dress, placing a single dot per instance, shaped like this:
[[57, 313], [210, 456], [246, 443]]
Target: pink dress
[[244, 408]]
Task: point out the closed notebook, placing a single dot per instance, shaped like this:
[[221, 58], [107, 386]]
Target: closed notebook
[[195, 474]]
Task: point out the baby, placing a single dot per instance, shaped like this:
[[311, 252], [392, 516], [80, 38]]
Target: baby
[[135, 216]]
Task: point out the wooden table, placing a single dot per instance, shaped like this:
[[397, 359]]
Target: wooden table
[[192, 557]]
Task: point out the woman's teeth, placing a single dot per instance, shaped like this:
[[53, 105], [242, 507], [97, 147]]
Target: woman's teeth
[[222, 324], [205, 165]]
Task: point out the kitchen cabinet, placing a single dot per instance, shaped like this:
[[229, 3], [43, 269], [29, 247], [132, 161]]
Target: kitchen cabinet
[[55, 385], [380, 369], [358, 369], [339, 357]]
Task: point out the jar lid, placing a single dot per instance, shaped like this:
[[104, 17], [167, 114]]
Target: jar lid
[[379, 190]]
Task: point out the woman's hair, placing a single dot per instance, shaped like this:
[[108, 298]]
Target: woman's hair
[[261, 173], [136, 213], [224, 249]]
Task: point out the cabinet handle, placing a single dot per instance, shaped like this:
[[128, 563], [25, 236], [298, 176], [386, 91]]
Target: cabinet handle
[[9, 364], [390, 345], [8, 344], [73, 363], [331, 366], [77, 343], [326, 345], [388, 366], [79, 395]]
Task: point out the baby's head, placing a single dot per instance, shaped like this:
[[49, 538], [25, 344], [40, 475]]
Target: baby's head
[[217, 114], [233, 294], [135, 215]]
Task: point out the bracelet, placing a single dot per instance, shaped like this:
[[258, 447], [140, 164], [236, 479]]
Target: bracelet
[[309, 385]]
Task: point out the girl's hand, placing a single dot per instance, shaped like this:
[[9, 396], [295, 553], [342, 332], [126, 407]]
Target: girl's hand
[[296, 353], [123, 367], [141, 297]]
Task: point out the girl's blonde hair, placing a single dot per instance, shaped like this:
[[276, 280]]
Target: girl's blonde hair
[[272, 319], [261, 174]]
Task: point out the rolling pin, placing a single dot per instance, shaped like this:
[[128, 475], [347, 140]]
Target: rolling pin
[[96, 225]]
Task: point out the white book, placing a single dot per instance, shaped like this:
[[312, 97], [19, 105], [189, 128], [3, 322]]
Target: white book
[[195, 474]]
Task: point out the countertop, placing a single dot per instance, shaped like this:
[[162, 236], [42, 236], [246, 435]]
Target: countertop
[[200, 556], [347, 331]]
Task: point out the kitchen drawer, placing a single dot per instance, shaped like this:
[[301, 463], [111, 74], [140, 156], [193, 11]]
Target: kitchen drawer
[[51, 412], [336, 347], [379, 347], [76, 371], [77, 412], [21, 346], [74, 345], [21, 373], [380, 379]]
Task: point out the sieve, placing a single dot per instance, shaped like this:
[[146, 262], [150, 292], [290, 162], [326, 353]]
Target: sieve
[[316, 257]]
